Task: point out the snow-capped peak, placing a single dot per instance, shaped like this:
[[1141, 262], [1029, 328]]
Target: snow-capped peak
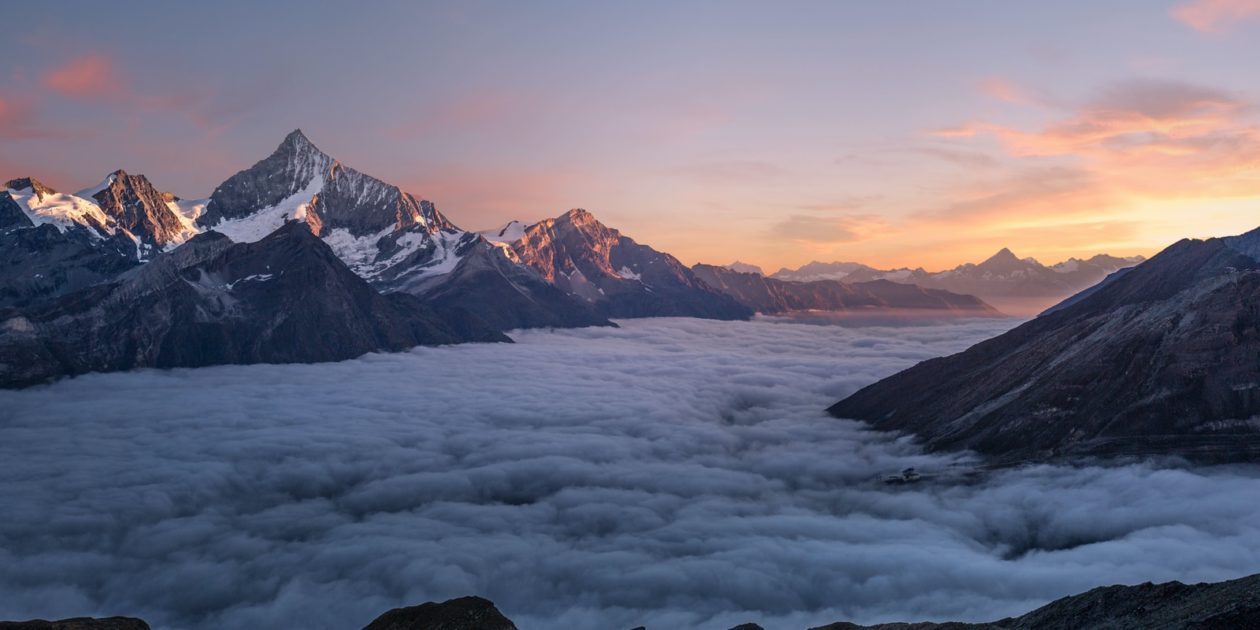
[[511, 232]]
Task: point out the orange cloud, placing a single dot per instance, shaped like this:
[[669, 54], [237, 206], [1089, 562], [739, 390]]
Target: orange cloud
[[804, 228], [88, 76], [1209, 16]]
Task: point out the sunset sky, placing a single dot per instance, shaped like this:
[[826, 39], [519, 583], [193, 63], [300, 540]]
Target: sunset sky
[[891, 133]]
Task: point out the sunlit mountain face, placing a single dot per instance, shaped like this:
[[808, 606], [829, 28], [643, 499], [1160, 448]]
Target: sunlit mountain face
[[715, 315]]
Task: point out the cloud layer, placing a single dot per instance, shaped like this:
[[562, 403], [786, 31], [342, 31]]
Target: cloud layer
[[673, 473]]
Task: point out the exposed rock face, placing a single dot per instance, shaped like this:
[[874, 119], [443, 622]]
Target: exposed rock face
[[38, 263], [618, 276], [1171, 606], [464, 613], [286, 298], [335, 196], [506, 294], [142, 210], [33, 184], [11, 215], [1001, 275], [1163, 359], [78, 623], [768, 295]]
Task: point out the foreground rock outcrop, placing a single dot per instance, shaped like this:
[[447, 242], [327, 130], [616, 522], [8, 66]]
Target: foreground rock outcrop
[[1163, 359], [77, 623], [1230, 605], [464, 613]]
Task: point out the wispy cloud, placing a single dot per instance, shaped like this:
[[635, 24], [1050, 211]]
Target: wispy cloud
[[827, 229], [1214, 16]]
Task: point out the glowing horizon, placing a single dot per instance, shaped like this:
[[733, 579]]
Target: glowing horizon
[[923, 136]]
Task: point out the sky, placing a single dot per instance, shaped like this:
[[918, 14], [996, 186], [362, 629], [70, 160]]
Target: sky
[[670, 473], [890, 133]]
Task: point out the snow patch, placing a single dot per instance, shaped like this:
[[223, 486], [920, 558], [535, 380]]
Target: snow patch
[[259, 224], [88, 193], [628, 274], [258, 277], [510, 233], [62, 211]]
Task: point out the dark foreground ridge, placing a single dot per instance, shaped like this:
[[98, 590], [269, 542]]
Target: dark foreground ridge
[[77, 623], [1158, 360], [1231, 605]]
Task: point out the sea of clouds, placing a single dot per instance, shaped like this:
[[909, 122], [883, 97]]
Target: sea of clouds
[[674, 473]]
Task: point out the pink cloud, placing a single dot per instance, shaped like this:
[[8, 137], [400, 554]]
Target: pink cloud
[[1003, 90], [90, 76], [1210, 16]]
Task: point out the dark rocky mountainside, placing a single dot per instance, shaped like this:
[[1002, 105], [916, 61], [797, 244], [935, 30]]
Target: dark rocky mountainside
[[49, 259], [768, 295], [286, 298], [1162, 359], [620, 277], [77, 623], [139, 208], [504, 293], [1230, 605], [39, 263], [464, 613]]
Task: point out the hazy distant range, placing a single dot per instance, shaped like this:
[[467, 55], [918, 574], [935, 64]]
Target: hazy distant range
[[1014, 285]]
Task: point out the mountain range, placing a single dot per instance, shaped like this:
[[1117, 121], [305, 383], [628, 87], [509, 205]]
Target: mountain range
[[1159, 359], [123, 274], [1012, 283], [771, 295]]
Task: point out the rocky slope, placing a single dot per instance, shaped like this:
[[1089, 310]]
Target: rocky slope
[[618, 276], [1162, 359], [464, 613], [142, 210], [285, 298], [768, 295], [1230, 605], [52, 244], [77, 623], [1002, 275]]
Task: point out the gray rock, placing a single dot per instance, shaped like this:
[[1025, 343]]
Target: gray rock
[[40, 263], [464, 613], [78, 623], [138, 207]]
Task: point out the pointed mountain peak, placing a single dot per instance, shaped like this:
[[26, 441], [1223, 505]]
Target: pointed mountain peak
[[1004, 256], [35, 185], [578, 217], [297, 142]]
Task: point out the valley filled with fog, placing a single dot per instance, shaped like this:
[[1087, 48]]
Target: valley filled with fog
[[672, 473]]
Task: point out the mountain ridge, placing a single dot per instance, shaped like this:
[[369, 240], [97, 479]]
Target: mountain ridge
[[1160, 360]]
